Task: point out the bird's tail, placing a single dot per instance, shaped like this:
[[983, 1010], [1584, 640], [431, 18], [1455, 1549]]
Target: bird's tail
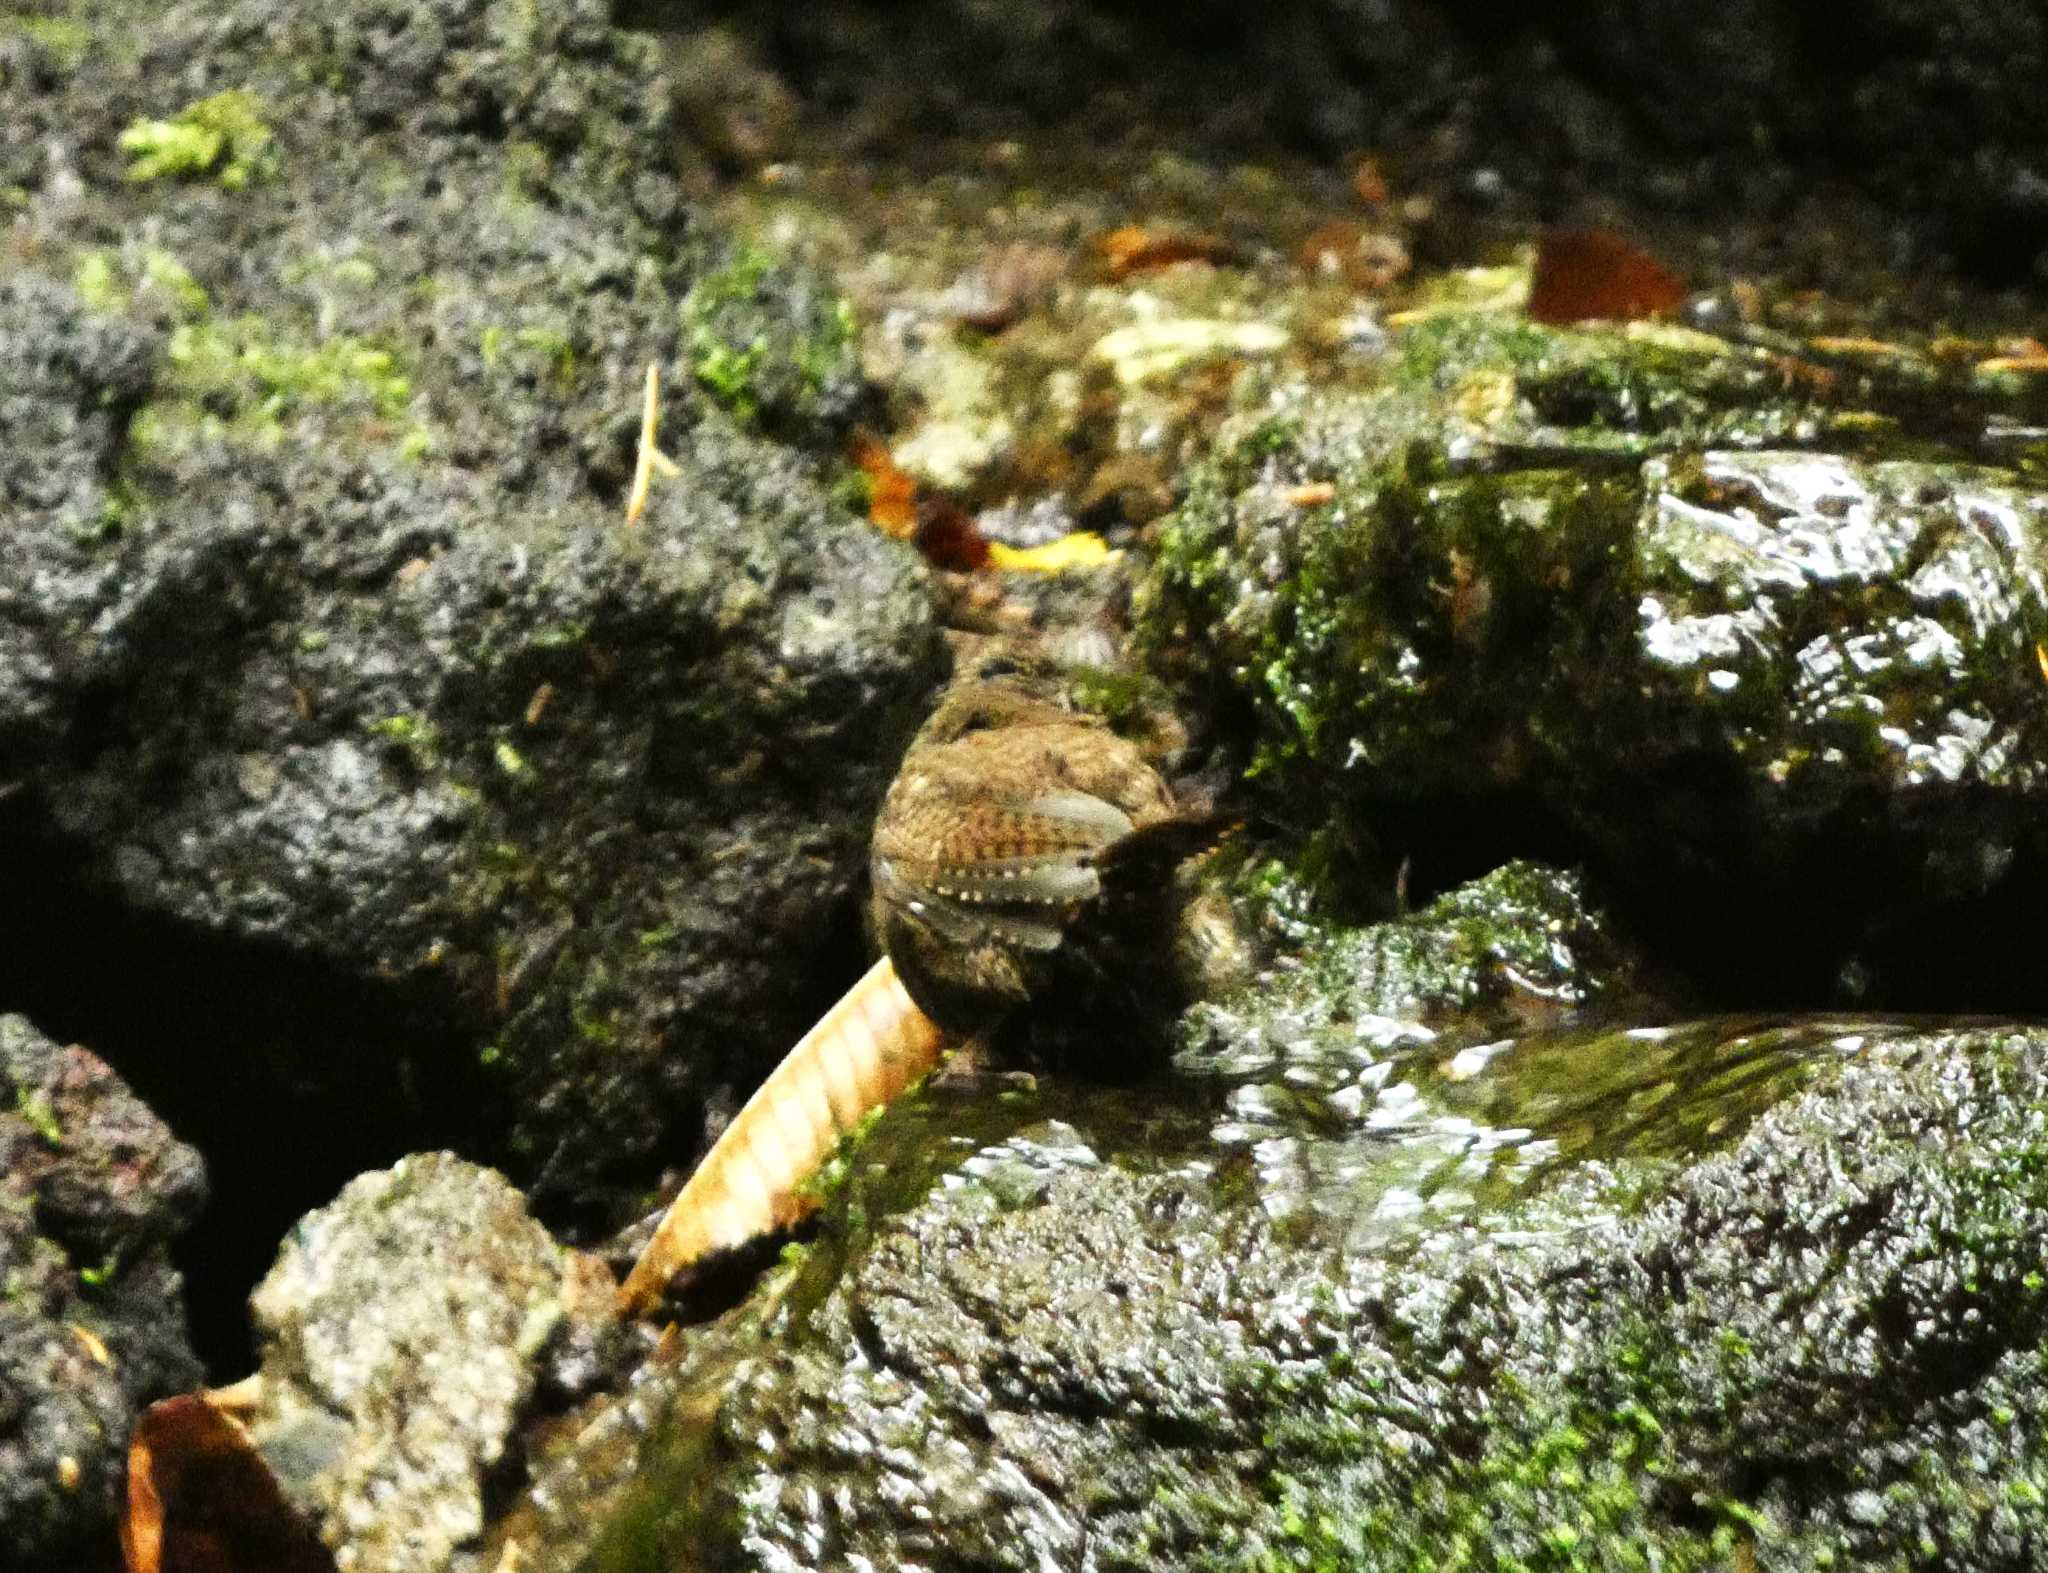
[[864, 1051], [1147, 858]]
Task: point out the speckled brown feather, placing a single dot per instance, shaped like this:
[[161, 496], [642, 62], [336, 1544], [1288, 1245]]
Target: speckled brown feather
[[992, 840], [1010, 821]]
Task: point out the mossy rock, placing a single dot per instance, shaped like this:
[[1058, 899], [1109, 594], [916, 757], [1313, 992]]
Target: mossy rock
[[1570, 589]]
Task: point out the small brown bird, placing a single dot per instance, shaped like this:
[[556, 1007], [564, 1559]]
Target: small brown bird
[[1021, 864], [1005, 825]]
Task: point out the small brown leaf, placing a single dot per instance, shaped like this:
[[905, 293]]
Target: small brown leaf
[[202, 1500], [949, 537], [1584, 274], [1136, 249], [1369, 181], [1363, 258]]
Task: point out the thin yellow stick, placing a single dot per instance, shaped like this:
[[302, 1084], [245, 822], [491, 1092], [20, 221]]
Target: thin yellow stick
[[649, 458], [867, 1048]]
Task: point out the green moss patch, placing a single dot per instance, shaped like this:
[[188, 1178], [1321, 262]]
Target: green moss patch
[[224, 138]]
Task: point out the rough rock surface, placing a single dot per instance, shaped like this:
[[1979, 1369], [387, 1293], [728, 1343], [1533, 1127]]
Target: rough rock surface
[[402, 1329], [1753, 1356], [93, 1188], [320, 629]]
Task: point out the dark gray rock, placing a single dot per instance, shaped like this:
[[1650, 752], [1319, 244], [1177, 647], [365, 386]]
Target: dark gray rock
[[93, 1189], [321, 632]]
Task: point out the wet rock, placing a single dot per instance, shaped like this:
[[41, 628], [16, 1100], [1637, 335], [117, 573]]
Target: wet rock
[[1049, 1359], [1521, 944], [402, 1329], [1570, 582], [320, 630], [93, 1188], [1295, 1084]]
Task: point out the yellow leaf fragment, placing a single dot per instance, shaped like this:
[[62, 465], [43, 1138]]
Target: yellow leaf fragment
[[1309, 494], [1078, 549], [1160, 347], [1498, 289], [2013, 363], [1857, 344]]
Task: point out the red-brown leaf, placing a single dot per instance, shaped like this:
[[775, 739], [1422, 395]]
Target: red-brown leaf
[[1582, 274], [1136, 249], [939, 527], [201, 1499]]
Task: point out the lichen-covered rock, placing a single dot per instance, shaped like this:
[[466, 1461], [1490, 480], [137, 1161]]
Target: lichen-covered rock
[[773, 343], [93, 1188], [320, 625], [402, 1329], [1568, 582]]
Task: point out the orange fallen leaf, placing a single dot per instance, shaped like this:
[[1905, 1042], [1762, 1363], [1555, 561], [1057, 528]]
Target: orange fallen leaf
[[1136, 249], [1587, 274], [202, 1500], [892, 491], [939, 527], [865, 1050]]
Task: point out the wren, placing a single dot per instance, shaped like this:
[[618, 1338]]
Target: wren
[[1024, 864]]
